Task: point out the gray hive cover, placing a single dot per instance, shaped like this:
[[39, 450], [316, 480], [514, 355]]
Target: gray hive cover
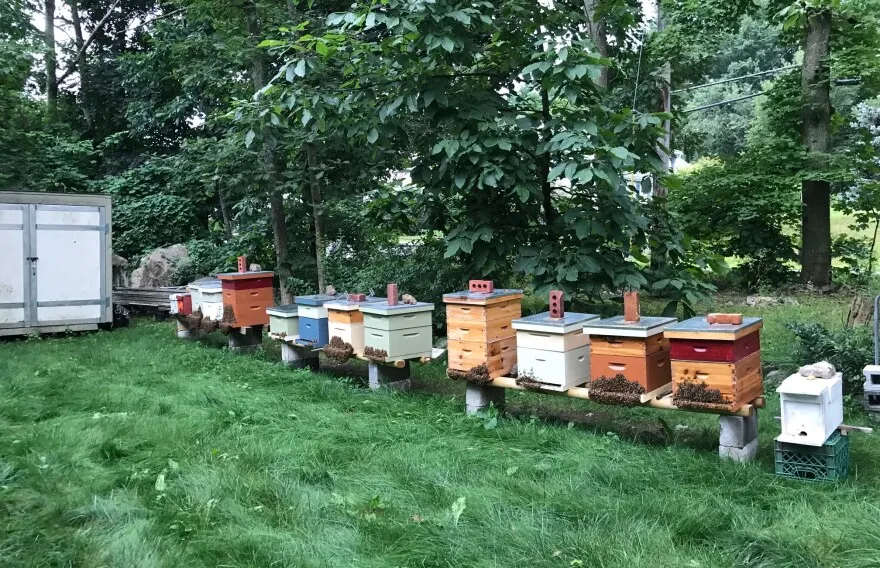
[[543, 322], [202, 283], [617, 326], [383, 308], [315, 299], [699, 324], [285, 310], [468, 295], [346, 302]]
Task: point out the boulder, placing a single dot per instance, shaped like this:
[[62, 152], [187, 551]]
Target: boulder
[[156, 270], [762, 301]]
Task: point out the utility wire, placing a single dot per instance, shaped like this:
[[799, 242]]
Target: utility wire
[[721, 82], [704, 107]]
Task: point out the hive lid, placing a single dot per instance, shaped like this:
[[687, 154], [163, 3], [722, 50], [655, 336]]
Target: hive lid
[[346, 305], [810, 386], [699, 328], [478, 298], [287, 310], [315, 299], [543, 322], [203, 283], [245, 275], [619, 327], [383, 309]]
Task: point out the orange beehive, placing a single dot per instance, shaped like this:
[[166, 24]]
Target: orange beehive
[[479, 328], [248, 294]]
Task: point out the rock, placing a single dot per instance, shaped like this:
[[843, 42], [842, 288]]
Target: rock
[[407, 299], [761, 301], [120, 278], [254, 267], [330, 290], [156, 270], [821, 370], [791, 301]]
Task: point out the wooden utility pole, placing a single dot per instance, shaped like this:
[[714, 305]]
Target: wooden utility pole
[[664, 141], [51, 63], [816, 134]]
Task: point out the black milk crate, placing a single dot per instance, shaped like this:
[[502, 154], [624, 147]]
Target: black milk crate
[[828, 462]]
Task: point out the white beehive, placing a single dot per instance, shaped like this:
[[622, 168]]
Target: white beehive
[[211, 301], [554, 351], [812, 409]]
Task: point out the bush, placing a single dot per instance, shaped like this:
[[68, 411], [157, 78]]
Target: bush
[[848, 349]]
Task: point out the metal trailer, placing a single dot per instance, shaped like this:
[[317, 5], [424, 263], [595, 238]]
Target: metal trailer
[[56, 270]]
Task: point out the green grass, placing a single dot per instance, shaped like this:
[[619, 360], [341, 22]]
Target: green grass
[[264, 466], [840, 226]]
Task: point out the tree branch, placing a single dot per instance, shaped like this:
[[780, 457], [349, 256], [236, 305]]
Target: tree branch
[[88, 42]]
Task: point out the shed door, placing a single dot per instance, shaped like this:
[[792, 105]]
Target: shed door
[[68, 282], [14, 265]]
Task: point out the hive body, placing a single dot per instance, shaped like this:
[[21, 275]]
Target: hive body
[[635, 349], [284, 320], [811, 409], [553, 351], [313, 322], [248, 295], [346, 321], [726, 357], [480, 331], [402, 331]]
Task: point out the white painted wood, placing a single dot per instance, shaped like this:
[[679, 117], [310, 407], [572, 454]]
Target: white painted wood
[[12, 272], [552, 341], [558, 370], [351, 333], [75, 216], [314, 312], [212, 310], [404, 320], [811, 409], [68, 269]]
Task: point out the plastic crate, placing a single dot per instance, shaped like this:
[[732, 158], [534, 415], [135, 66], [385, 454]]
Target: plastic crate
[[828, 462]]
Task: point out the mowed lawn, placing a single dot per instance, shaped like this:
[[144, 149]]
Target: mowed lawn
[[135, 449]]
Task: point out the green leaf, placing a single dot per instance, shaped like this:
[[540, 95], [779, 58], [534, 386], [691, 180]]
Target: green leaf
[[300, 69], [460, 178], [271, 43], [249, 138], [321, 48], [372, 136], [620, 152], [457, 509]]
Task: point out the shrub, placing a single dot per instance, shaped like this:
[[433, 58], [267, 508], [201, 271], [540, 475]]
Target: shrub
[[848, 349]]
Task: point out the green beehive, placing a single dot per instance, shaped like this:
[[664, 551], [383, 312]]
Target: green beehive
[[284, 320], [402, 331]]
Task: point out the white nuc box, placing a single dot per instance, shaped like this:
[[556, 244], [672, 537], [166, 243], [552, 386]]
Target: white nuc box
[[553, 351], [812, 408]]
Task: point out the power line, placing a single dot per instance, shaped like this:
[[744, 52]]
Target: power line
[[704, 107], [721, 82]]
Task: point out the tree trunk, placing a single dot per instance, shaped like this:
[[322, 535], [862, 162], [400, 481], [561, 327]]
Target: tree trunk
[[596, 30], [664, 141], [51, 63], [270, 160], [816, 113], [318, 208], [544, 165], [84, 83], [224, 209]]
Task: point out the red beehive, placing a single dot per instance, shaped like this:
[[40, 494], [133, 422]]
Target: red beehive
[[248, 294]]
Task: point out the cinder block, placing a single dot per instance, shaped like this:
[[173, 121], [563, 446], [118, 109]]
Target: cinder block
[[745, 454], [387, 375], [481, 286], [299, 357], [872, 377], [478, 398], [557, 304], [738, 431], [246, 338]]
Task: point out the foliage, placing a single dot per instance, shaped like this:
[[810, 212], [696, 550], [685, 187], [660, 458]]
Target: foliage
[[848, 349]]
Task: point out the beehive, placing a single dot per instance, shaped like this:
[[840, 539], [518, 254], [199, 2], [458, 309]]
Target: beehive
[[723, 356], [313, 324], [284, 320], [480, 330], [248, 294], [402, 331], [635, 349], [197, 287], [811, 409], [553, 351], [346, 321], [211, 300]]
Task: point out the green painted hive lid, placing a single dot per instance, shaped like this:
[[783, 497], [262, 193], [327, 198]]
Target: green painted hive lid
[[285, 311]]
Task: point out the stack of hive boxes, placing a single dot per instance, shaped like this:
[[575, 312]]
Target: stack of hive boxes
[[720, 351], [551, 348], [247, 295], [399, 330], [210, 298], [313, 323], [479, 323], [872, 390], [284, 321], [633, 348], [811, 405], [346, 321]]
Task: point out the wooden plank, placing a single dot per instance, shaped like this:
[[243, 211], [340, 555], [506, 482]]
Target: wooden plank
[[345, 316], [466, 313], [459, 330], [656, 393]]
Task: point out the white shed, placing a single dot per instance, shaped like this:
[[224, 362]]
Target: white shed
[[56, 272]]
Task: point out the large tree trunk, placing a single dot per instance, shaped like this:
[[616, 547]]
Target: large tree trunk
[[816, 113], [318, 215], [84, 83], [259, 71], [597, 31], [544, 166], [224, 209], [51, 63], [664, 92]]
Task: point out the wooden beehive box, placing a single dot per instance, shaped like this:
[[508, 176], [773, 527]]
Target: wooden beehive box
[[284, 320], [634, 349], [313, 323], [479, 329], [211, 299], [346, 321], [402, 331], [248, 294], [722, 356], [554, 351]]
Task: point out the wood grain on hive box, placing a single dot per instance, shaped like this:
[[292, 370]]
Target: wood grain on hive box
[[249, 294], [628, 346], [651, 372], [699, 328]]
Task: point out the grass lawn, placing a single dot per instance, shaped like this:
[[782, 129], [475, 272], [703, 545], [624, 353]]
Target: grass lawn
[[135, 449]]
